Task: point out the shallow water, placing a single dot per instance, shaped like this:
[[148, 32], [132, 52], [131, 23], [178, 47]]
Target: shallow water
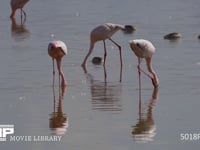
[[98, 114]]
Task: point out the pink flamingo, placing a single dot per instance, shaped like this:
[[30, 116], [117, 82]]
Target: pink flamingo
[[101, 33], [145, 49], [57, 49], [17, 4]]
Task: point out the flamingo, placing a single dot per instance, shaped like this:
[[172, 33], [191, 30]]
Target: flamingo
[[17, 4], [102, 33], [56, 50], [145, 49]]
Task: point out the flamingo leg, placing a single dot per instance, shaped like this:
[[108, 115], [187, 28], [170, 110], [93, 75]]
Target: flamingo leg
[[120, 50], [105, 74], [140, 70], [139, 75], [105, 53], [88, 54], [53, 72], [146, 73], [59, 80], [54, 99], [24, 15], [140, 105], [53, 67], [21, 14], [120, 54], [63, 81]]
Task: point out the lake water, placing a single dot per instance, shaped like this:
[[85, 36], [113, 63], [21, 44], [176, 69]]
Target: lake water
[[92, 114]]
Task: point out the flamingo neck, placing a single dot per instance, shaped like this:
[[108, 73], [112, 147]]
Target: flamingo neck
[[63, 81], [155, 79]]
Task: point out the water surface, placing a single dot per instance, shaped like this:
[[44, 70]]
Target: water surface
[[95, 114]]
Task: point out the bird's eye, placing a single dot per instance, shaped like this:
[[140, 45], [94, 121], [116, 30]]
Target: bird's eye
[[138, 44]]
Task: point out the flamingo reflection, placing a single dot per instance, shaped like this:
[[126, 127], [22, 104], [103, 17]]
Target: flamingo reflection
[[19, 31], [58, 121], [105, 73], [145, 128], [106, 96], [18, 4]]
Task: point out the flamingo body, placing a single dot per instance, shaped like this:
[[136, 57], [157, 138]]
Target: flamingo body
[[101, 33], [17, 4], [56, 50], [145, 49], [104, 32]]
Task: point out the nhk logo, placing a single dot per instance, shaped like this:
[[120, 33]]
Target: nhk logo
[[5, 130]]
